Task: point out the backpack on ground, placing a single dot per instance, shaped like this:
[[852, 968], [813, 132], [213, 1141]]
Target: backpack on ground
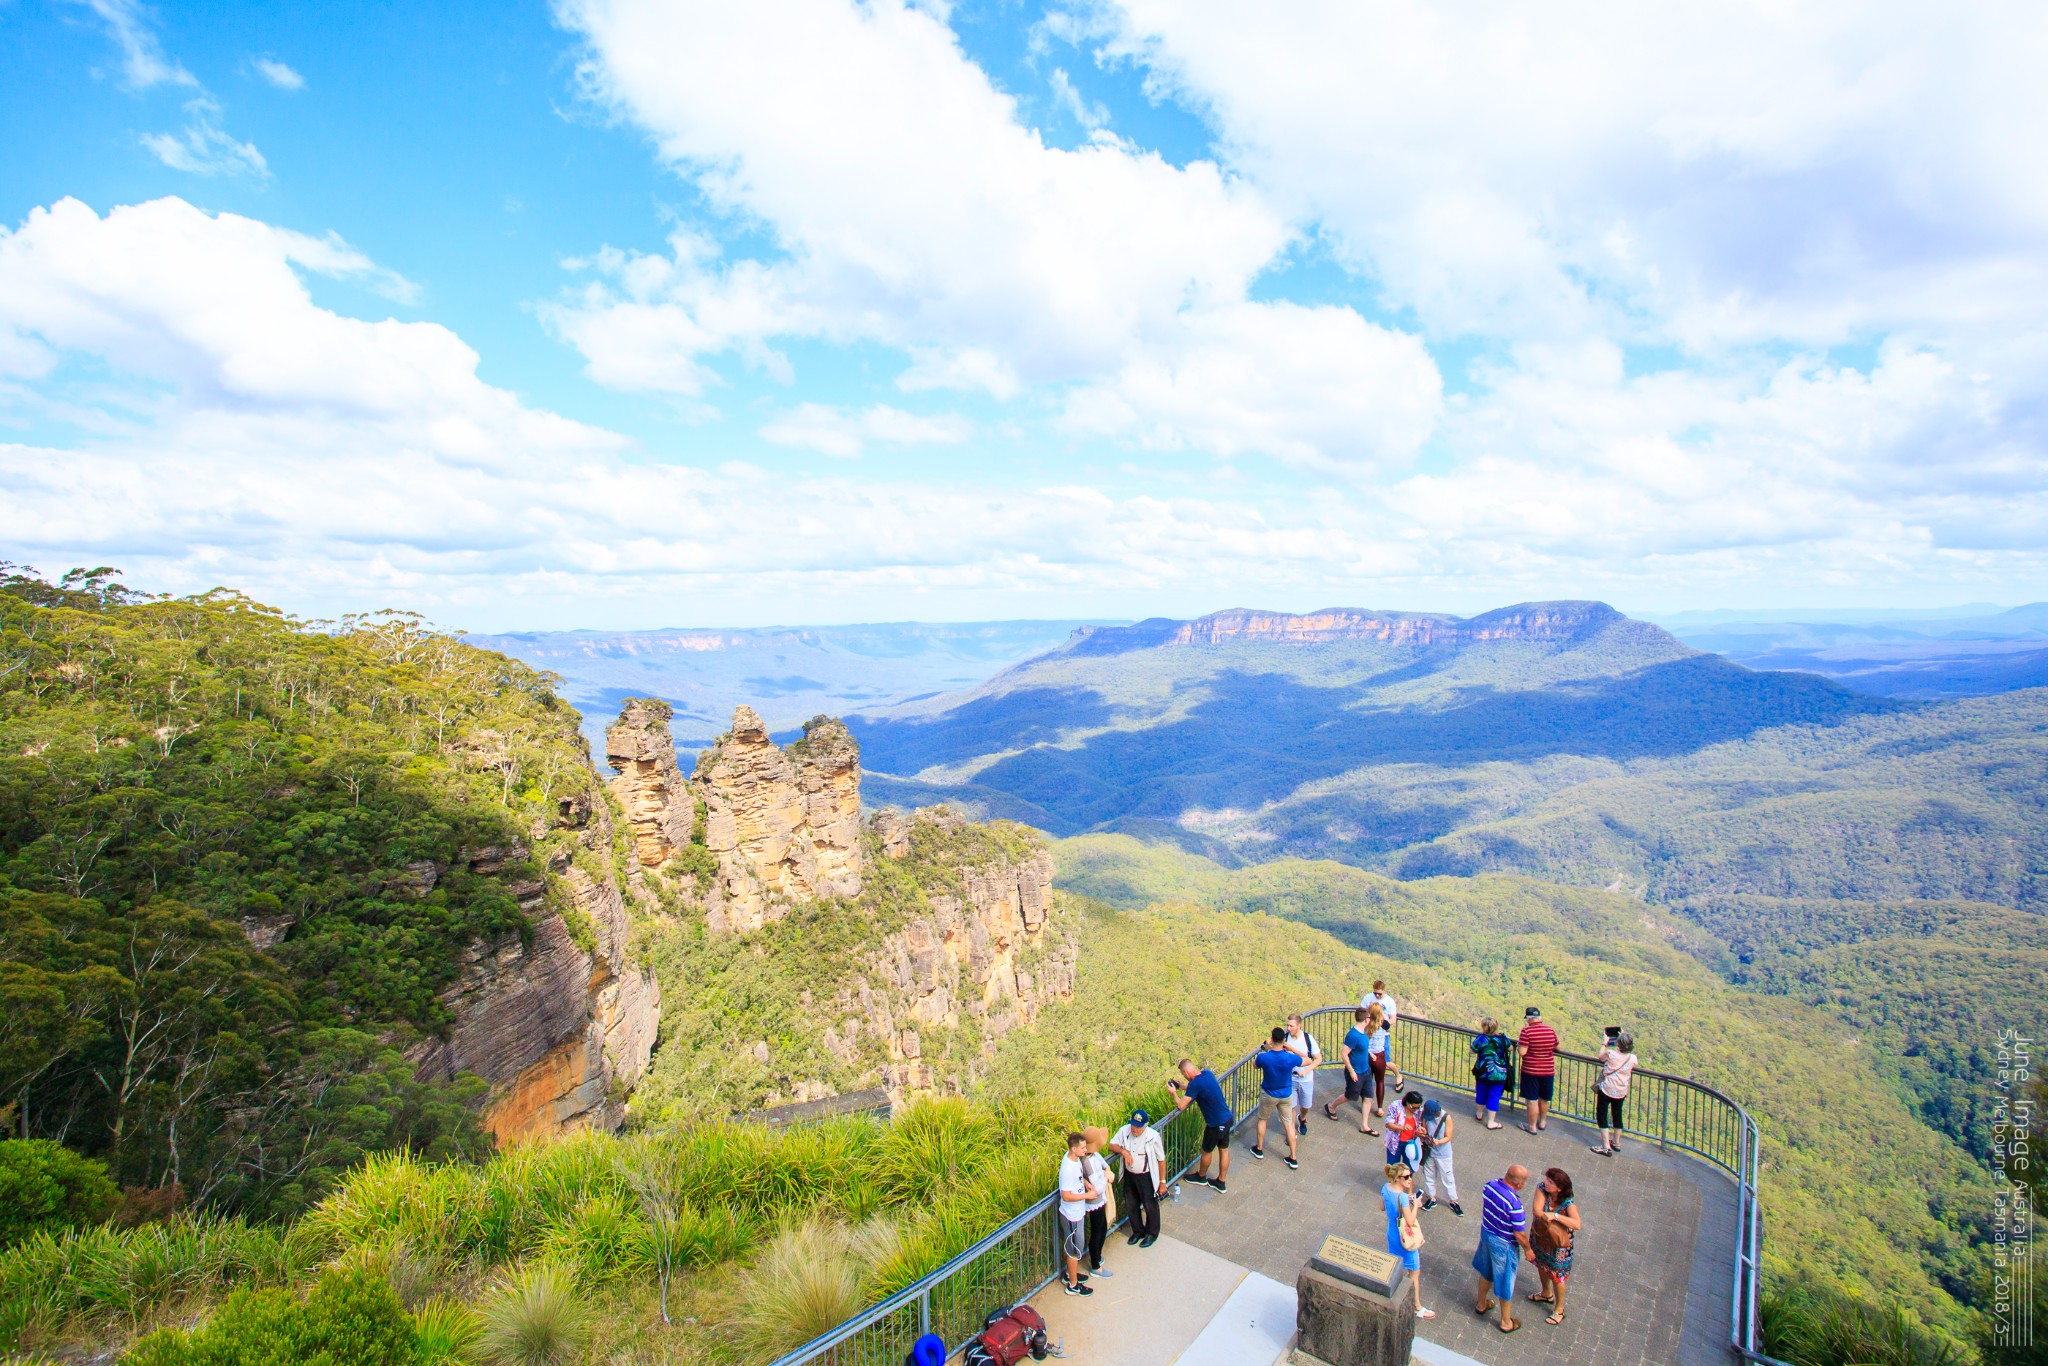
[[1007, 1337]]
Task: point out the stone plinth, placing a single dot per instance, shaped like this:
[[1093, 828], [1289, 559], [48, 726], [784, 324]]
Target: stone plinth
[[1341, 1324]]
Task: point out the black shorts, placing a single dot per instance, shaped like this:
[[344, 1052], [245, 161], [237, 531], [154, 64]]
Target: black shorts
[[1357, 1088], [1537, 1088], [1215, 1136], [1607, 1111]]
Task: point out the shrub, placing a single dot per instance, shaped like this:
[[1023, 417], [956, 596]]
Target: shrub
[[534, 1319], [46, 1186], [350, 1319], [809, 1280]]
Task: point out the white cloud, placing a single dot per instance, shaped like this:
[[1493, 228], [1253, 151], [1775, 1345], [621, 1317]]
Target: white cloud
[[143, 63], [834, 431], [278, 73], [911, 207], [1696, 172], [203, 148]]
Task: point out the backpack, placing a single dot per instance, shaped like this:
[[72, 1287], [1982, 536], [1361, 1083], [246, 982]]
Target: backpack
[[1007, 1337]]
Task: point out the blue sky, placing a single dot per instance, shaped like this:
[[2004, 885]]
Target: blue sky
[[627, 314]]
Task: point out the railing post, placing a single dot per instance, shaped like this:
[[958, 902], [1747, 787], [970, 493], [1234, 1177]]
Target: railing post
[[924, 1311], [1664, 1120]]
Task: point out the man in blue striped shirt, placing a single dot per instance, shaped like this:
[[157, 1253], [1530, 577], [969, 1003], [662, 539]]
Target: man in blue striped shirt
[[1503, 1243]]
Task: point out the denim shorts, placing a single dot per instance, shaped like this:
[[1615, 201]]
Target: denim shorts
[[1497, 1261]]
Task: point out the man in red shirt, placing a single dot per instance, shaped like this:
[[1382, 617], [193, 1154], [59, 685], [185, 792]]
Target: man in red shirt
[[1537, 1048]]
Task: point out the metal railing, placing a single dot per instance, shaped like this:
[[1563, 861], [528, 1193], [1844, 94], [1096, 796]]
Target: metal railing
[[1674, 1112], [1022, 1257]]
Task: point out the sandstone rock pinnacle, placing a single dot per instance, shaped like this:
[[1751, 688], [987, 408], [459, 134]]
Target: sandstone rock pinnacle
[[784, 825]]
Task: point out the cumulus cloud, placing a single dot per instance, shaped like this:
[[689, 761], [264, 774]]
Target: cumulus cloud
[[911, 206], [830, 430], [1708, 174]]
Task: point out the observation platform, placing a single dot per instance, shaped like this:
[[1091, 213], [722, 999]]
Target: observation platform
[[1650, 1283]]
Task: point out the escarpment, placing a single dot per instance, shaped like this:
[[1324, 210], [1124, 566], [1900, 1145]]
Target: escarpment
[[898, 952], [558, 1018]]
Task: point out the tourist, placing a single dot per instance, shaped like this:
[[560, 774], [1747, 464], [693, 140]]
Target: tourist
[[1199, 1086], [1299, 1040], [1553, 1226], [1378, 997], [1144, 1155], [1404, 1132], [1492, 1055], [1617, 1067], [1074, 1212], [1437, 1173], [1503, 1242], [1537, 1049], [1101, 1198], [1276, 1066], [1361, 1071], [1404, 1229]]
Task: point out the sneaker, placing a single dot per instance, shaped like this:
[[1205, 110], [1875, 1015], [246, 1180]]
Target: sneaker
[[1259, 1153], [1303, 1126], [1076, 1288], [1104, 1272], [1292, 1165], [1150, 1239], [1428, 1202], [1457, 1209], [1082, 1275], [1218, 1187]]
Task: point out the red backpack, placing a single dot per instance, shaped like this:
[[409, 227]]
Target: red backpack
[[1008, 1336]]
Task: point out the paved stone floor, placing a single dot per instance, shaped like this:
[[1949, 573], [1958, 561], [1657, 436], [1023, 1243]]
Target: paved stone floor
[[1651, 1281]]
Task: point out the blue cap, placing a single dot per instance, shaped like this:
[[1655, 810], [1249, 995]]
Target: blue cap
[[1431, 1108], [1139, 1117]]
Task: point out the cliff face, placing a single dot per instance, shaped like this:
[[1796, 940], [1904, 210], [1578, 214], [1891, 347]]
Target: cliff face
[[784, 825], [983, 956], [1543, 621], [554, 1027]]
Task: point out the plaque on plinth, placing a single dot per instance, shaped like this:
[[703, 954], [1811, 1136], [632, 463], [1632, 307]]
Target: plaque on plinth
[[1353, 1307]]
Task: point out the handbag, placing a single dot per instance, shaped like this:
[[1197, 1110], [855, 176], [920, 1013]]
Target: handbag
[[1411, 1237]]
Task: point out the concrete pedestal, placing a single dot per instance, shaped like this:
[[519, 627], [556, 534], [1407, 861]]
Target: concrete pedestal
[[1341, 1324]]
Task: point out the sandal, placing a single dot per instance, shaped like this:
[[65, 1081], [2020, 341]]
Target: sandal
[[1604, 1152], [1496, 1126], [1555, 1319], [1511, 1325], [1329, 1114], [1543, 1299], [1425, 1313], [1525, 1128]]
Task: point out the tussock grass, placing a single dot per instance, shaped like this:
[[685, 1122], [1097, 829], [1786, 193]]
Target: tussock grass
[[536, 1317], [772, 1233]]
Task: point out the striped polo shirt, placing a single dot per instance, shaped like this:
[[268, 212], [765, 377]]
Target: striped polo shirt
[[1539, 1049], [1500, 1211]]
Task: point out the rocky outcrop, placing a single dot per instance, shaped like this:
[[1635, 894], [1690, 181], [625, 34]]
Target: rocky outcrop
[[1542, 621], [557, 1029], [984, 955], [650, 787], [784, 825]]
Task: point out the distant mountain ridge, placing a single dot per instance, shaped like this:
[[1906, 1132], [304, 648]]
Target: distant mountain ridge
[[1526, 621]]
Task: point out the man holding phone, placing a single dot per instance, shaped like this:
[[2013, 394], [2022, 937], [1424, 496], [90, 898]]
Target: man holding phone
[[1199, 1087]]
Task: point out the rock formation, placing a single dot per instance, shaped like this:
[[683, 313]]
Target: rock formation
[[784, 825], [559, 1031], [981, 956], [650, 787]]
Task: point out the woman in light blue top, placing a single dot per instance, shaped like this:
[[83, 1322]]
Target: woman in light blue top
[[1398, 1195]]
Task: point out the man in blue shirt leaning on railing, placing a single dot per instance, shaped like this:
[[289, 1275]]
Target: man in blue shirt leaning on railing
[[1218, 1119]]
